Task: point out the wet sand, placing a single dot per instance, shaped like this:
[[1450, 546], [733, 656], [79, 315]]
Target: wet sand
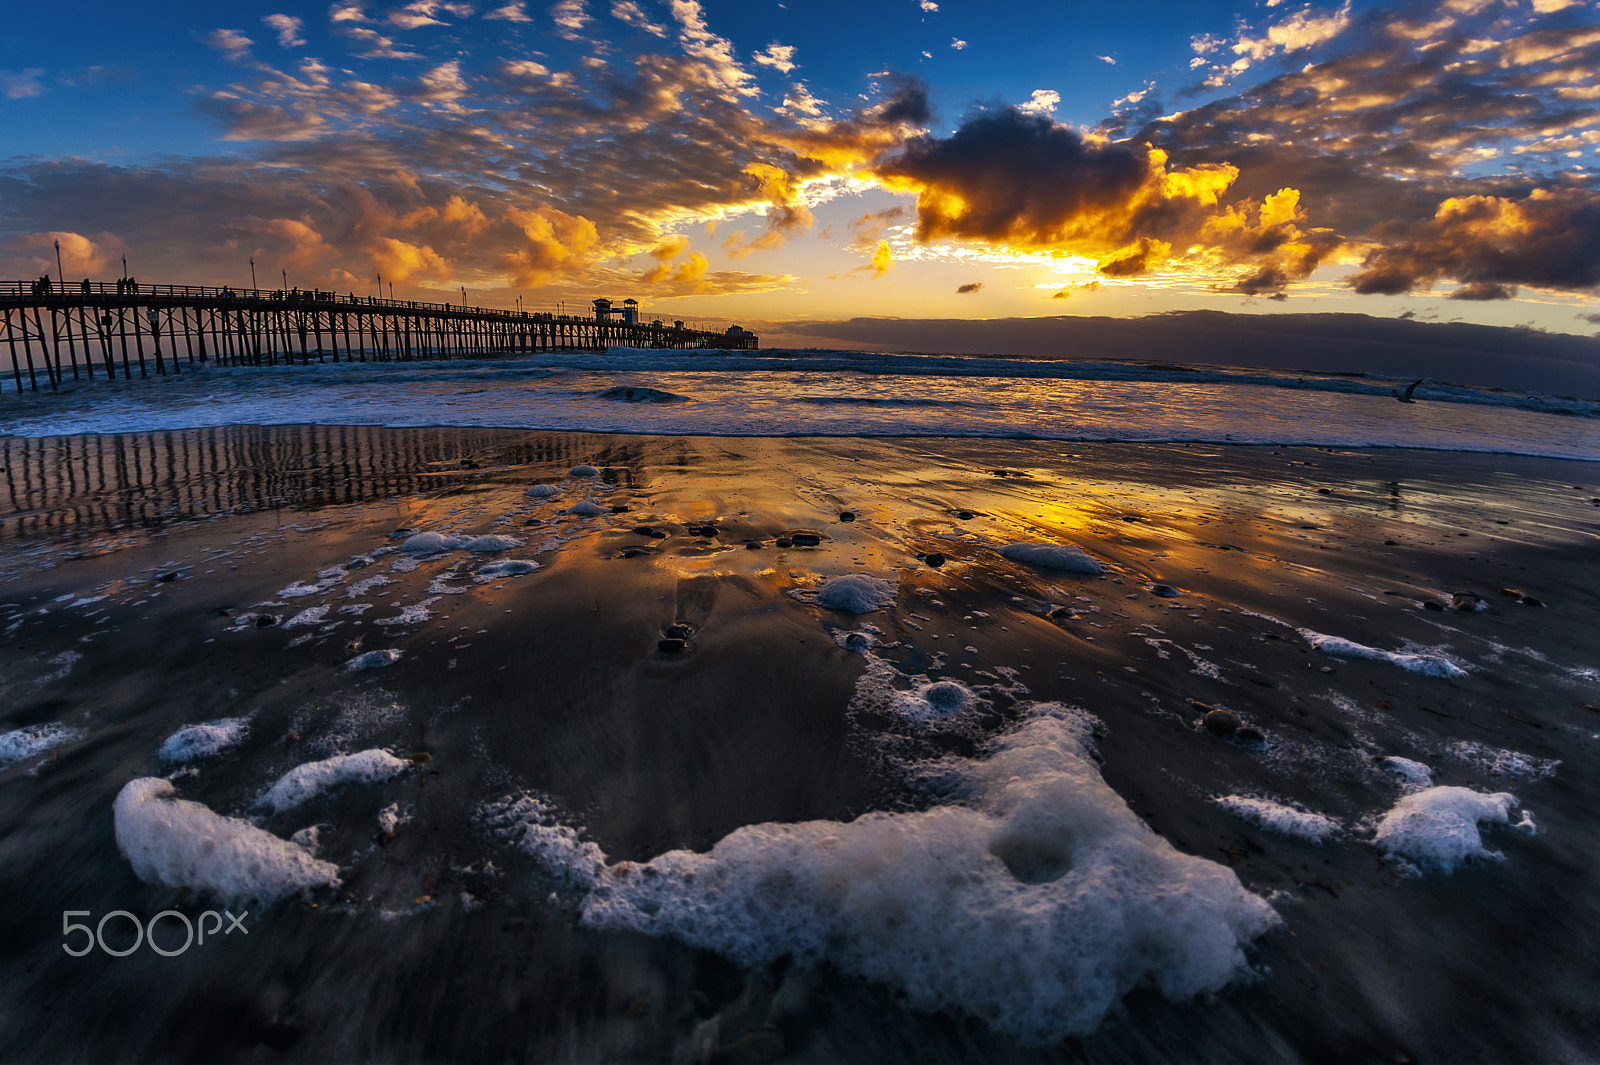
[[132, 570]]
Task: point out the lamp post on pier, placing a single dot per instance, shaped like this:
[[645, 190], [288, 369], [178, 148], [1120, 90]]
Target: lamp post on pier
[[253, 285], [285, 273], [124, 268], [60, 274]]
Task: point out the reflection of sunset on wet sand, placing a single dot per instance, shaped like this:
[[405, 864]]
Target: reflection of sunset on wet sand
[[592, 665]]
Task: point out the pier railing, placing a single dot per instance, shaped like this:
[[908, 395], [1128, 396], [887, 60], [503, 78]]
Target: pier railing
[[50, 333]]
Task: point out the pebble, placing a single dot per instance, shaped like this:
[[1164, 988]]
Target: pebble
[[1529, 600], [670, 645], [643, 530], [934, 559], [752, 545], [1512, 592], [848, 515], [1250, 735], [1466, 602], [1325, 491], [1221, 722], [1430, 604], [964, 515], [1165, 591], [678, 632], [784, 541], [1131, 517], [806, 539], [266, 621]]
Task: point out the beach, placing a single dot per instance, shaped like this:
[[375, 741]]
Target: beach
[[1034, 749]]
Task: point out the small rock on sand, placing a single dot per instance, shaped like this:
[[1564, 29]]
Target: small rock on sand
[[934, 559], [1221, 722], [670, 645], [1164, 591], [847, 515], [806, 539]]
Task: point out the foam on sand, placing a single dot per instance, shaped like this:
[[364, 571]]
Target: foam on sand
[[584, 470], [193, 742], [487, 544], [313, 615], [23, 743], [1436, 830], [181, 843], [505, 567], [926, 702], [1284, 820], [428, 543], [305, 782], [1035, 904], [387, 656], [1427, 665], [587, 508], [857, 593], [542, 491], [1063, 557], [1412, 774]]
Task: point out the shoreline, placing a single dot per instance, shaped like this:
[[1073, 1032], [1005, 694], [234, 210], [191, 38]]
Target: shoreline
[[551, 684]]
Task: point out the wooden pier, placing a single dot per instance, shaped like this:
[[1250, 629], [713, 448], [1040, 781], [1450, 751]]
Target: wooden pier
[[106, 330]]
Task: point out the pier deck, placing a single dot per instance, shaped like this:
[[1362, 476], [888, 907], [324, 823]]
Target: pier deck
[[96, 329]]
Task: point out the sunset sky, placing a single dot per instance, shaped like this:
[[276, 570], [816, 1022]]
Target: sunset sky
[[781, 163]]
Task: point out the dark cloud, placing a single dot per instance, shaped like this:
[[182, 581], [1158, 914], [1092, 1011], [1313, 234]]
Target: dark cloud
[[1006, 176], [1491, 244], [971, 286]]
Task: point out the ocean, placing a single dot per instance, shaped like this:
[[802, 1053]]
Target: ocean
[[835, 393]]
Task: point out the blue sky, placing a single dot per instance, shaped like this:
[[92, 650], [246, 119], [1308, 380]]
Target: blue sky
[[813, 161]]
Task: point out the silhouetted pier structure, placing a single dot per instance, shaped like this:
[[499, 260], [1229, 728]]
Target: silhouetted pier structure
[[94, 328]]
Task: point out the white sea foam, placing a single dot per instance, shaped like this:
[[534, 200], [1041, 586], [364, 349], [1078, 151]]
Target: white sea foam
[[542, 491], [310, 616], [1064, 557], [23, 743], [1284, 820], [362, 587], [305, 782], [413, 614], [1436, 829], [584, 470], [587, 508], [1433, 665], [487, 544], [1497, 761], [181, 843], [1036, 904], [1413, 774], [857, 593], [429, 543], [532, 825], [505, 567], [193, 742], [388, 656]]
